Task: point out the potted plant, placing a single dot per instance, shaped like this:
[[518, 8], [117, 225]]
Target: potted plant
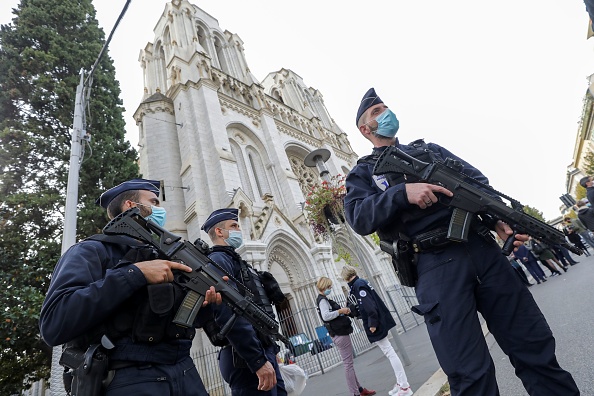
[[324, 205]]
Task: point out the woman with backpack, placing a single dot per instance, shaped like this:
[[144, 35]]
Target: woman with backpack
[[339, 327]]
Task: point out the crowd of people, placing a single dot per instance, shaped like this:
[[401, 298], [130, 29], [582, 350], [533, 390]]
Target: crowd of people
[[114, 295], [536, 256]]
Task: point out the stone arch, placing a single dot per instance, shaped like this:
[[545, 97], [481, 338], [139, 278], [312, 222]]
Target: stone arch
[[276, 94], [160, 68], [167, 44], [353, 244], [306, 176], [220, 51], [290, 254], [255, 161], [249, 143], [242, 169], [297, 262], [202, 33]]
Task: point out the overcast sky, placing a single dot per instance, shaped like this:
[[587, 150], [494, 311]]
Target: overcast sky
[[500, 84]]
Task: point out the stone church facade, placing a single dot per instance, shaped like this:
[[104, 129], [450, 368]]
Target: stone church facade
[[217, 137]]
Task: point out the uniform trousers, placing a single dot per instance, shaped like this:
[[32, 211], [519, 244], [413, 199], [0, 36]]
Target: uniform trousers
[[158, 380], [345, 348], [463, 278], [245, 383]]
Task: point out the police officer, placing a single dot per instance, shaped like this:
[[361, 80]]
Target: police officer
[[102, 288], [454, 279], [377, 321], [248, 363]]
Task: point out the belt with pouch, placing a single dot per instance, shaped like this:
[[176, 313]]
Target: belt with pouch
[[430, 240]]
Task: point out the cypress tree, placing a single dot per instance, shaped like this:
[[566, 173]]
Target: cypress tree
[[41, 54]]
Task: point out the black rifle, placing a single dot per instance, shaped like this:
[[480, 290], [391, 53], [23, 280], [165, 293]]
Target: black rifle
[[471, 197], [204, 275]]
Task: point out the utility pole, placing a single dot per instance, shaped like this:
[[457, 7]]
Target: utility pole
[[79, 137], [77, 150], [77, 142], [318, 158]]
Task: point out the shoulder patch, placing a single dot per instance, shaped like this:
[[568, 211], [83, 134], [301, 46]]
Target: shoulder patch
[[380, 182], [362, 293]]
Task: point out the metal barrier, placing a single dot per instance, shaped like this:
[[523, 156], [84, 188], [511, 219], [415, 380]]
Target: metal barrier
[[311, 348]]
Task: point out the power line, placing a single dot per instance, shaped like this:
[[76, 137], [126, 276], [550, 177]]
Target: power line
[[90, 76]]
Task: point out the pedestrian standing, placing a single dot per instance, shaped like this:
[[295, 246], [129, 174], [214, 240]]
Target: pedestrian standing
[[377, 321], [339, 327]]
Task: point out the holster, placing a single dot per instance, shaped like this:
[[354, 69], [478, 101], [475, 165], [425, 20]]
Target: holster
[[403, 260], [87, 370]]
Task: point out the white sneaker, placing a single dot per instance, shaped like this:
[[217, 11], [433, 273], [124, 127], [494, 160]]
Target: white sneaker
[[398, 391], [394, 390]]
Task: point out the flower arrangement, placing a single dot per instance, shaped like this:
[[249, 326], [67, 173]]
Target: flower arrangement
[[324, 205]]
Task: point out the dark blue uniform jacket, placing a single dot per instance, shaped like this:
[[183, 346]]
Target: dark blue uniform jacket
[[86, 291], [371, 204], [242, 335], [374, 312]]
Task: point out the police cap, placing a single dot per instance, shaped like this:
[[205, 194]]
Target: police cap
[[134, 184], [369, 99], [220, 215]]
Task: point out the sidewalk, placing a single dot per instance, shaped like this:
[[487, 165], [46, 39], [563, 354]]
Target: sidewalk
[[374, 371], [565, 300]]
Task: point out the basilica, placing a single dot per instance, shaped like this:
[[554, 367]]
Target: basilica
[[218, 137]]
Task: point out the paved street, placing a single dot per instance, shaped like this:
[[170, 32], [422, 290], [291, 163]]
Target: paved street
[[374, 371], [567, 302]]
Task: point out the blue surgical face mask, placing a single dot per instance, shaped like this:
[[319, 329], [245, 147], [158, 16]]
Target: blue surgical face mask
[[235, 239], [157, 215], [327, 292], [387, 124]]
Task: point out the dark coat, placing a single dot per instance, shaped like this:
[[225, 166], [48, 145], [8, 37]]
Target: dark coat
[[586, 216], [242, 335], [370, 204], [90, 286], [374, 312]]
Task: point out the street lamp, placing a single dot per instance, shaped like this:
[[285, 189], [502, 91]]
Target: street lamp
[[318, 158]]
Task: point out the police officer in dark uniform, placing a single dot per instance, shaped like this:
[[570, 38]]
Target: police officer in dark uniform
[[455, 280], [112, 292], [248, 362]]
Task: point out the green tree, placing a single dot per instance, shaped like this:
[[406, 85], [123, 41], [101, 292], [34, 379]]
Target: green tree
[[534, 213], [580, 192], [41, 54], [589, 163]]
